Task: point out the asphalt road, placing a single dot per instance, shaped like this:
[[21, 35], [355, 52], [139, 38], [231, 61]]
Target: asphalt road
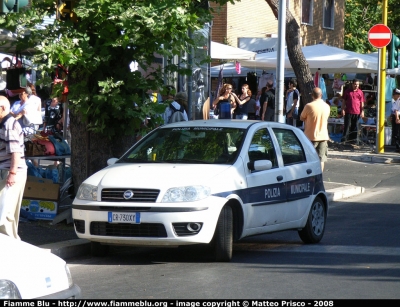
[[358, 258]]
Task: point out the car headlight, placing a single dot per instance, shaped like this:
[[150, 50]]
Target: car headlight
[[70, 282], [185, 194], [8, 290], [87, 192]]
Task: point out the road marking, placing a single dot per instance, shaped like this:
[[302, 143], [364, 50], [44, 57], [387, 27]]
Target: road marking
[[335, 249]]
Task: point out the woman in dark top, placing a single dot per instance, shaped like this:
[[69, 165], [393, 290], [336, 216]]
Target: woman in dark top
[[53, 116], [242, 101], [224, 104]]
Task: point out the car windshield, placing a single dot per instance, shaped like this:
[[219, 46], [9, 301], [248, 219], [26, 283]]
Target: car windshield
[[209, 145]]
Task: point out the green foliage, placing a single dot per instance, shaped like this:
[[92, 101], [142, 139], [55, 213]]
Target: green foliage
[[99, 48], [360, 16]]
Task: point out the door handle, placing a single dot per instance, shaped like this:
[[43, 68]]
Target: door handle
[[279, 178], [309, 171]]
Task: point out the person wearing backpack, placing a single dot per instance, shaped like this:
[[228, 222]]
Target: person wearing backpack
[[292, 103], [176, 110]]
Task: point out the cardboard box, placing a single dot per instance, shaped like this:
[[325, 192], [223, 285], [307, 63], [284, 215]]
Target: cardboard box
[[38, 179], [40, 188], [39, 209]]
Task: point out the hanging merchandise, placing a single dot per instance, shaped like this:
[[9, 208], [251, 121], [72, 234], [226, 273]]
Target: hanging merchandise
[[3, 83], [322, 86], [61, 75], [16, 74], [238, 67], [316, 79]]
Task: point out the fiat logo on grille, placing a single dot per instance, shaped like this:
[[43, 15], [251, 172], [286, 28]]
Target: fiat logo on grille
[[128, 194]]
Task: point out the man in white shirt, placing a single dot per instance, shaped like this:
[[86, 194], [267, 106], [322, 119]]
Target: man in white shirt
[[24, 111], [37, 119], [292, 103]]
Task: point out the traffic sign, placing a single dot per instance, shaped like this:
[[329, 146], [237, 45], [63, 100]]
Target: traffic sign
[[379, 35]]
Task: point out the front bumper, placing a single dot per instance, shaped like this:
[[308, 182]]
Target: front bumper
[[74, 292], [158, 222]]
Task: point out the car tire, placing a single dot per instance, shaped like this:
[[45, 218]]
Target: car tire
[[222, 241], [315, 226], [98, 249]]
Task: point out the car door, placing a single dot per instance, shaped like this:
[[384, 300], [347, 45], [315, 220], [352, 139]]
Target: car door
[[299, 173], [266, 188]]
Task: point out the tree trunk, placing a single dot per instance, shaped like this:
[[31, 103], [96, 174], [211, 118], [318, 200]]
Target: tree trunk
[[92, 150], [296, 57]]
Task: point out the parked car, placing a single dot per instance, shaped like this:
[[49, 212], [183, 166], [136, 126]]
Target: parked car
[[29, 272], [206, 181]]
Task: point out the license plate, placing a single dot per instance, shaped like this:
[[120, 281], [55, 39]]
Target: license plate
[[124, 217]]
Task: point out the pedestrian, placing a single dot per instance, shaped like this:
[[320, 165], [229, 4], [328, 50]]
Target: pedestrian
[[396, 119], [13, 169], [25, 111], [292, 103], [352, 109], [178, 104], [224, 105], [241, 102], [36, 107], [53, 116], [252, 108], [269, 103], [315, 117], [261, 100]]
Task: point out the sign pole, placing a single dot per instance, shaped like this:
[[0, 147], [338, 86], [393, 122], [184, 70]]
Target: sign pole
[[380, 144], [379, 103], [380, 148], [380, 36]]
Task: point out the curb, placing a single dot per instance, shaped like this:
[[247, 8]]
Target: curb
[[81, 247], [68, 249], [344, 192], [367, 158]]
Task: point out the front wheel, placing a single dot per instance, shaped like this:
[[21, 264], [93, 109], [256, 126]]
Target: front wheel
[[315, 226], [222, 241]]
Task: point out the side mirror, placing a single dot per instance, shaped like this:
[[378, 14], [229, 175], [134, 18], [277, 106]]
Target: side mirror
[[111, 161], [259, 165]]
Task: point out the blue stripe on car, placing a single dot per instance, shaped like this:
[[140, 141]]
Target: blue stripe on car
[[278, 192]]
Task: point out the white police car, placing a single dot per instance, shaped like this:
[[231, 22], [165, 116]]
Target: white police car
[[29, 272], [205, 181]]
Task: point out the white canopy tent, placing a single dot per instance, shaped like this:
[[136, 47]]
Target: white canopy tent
[[225, 52], [230, 71], [393, 71], [322, 58]]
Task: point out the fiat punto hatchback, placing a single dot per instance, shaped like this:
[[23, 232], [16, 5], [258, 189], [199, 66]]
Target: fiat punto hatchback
[[205, 182], [29, 272]]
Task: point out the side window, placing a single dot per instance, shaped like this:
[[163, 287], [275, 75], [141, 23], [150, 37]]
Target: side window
[[291, 148], [262, 147]]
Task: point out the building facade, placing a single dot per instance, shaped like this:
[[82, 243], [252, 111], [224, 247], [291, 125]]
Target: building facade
[[320, 21]]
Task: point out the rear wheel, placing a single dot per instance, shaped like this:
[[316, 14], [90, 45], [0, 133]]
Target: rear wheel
[[315, 227], [99, 250], [223, 237]]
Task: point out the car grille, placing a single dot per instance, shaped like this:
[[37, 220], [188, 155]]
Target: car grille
[[128, 230], [139, 195]]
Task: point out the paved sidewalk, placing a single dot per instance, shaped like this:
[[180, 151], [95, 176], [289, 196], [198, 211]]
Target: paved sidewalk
[[60, 239], [363, 153]]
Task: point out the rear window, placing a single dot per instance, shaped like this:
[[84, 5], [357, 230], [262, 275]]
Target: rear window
[[209, 145]]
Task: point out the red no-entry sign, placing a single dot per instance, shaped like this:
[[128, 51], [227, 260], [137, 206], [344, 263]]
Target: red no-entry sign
[[379, 35]]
